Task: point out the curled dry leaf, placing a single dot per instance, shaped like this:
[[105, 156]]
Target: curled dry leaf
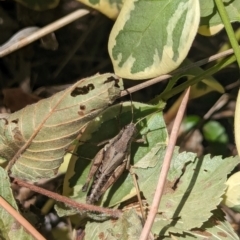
[[35, 138], [15, 99]]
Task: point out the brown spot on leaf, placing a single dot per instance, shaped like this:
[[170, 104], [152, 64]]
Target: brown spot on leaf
[[82, 90], [55, 171], [168, 205], [15, 226], [15, 121], [90, 86], [201, 232], [82, 107], [6, 121], [168, 187], [111, 79], [113, 221], [80, 113], [222, 234], [101, 235], [208, 185], [17, 135], [216, 221]]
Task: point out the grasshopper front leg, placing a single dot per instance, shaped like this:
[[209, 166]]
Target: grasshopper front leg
[[96, 162]]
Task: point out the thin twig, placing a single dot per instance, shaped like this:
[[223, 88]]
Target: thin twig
[[145, 84], [36, 130], [22, 221], [165, 167], [44, 31], [178, 71], [68, 201]]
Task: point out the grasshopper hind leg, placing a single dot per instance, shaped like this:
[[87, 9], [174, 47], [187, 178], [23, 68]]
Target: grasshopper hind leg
[[96, 162], [117, 173]]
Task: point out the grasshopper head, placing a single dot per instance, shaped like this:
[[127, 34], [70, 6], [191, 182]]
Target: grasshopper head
[[131, 130]]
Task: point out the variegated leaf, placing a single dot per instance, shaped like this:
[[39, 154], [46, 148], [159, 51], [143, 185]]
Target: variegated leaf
[[151, 38], [211, 22], [109, 8]]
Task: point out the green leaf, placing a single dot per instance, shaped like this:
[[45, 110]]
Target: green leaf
[[211, 22], [213, 131], [39, 5], [151, 38], [38, 135], [197, 190], [189, 122], [128, 226], [206, 85], [193, 185], [10, 228], [216, 228], [110, 8]]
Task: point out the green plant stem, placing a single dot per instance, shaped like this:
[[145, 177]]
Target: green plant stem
[[225, 19], [210, 71]]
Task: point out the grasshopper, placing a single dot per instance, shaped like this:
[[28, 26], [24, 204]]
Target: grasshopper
[[110, 162]]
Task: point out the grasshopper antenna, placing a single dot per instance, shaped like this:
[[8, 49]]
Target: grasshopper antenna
[[133, 110], [131, 103]]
